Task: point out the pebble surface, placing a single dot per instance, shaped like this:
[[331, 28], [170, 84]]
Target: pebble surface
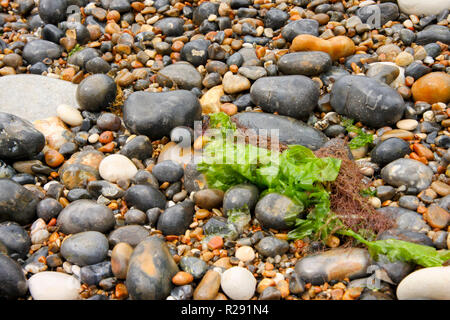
[[100, 196]]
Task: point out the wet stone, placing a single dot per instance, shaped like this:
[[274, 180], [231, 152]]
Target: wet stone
[[311, 63], [390, 150], [294, 96], [132, 235], [14, 239], [411, 173], [85, 248], [272, 210], [151, 270], [93, 274], [271, 246], [16, 202], [85, 215], [335, 264]]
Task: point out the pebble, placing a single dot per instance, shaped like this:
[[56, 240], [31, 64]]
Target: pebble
[[407, 124], [150, 270], [96, 92], [209, 286], [238, 283], [50, 285], [19, 139], [19, 204], [14, 283], [335, 264], [245, 254], [176, 108], [294, 96], [336, 47], [425, 284], [85, 248], [272, 210], [117, 167], [411, 173], [433, 87]]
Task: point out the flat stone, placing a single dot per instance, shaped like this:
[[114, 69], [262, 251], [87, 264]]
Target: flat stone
[[41, 94]]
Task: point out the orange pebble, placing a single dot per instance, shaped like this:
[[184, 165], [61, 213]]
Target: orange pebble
[[107, 147], [215, 243], [121, 291], [182, 278], [106, 137], [53, 158], [234, 68]]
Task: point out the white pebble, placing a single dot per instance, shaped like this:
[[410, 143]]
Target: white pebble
[[69, 115], [407, 124], [245, 253], [50, 285], [238, 283], [93, 138], [40, 236], [428, 116], [426, 284], [117, 167]]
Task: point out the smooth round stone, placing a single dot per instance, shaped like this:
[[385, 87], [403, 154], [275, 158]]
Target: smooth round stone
[[120, 258], [425, 284], [235, 83], [209, 198], [18, 139], [407, 124], [69, 115], [93, 274], [151, 270], [210, 101], [195, 52], [203, 11], [38, 50], [272, 246], [377, 107], [85, 215], [195, 266], [412, 173], [335, 264], [135, 216], [18, 203], [295, 96], [176, 219], [253, 72], [168, 170], [311, 63], [144, 197], [85, 248], [139, 147], [390, 150], [239, 196], [419, 7], [238, 283], [50, 285], [156, 114], [117, 167], [96, 92], [275, 18], [272, 210], [432, 87], [171, 27], [82, 57], [14, 239], [245, 253], [53, 11], [182, 75], [293, 131], [409, 202], [12, 278], [131, 235], [297, 27], [97, 65], [406, 220]]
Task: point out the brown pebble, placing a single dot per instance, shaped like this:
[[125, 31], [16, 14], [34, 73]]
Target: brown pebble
[[182, 278], [53, 158]]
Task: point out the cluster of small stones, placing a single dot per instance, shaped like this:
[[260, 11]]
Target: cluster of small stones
[[103, 202]]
